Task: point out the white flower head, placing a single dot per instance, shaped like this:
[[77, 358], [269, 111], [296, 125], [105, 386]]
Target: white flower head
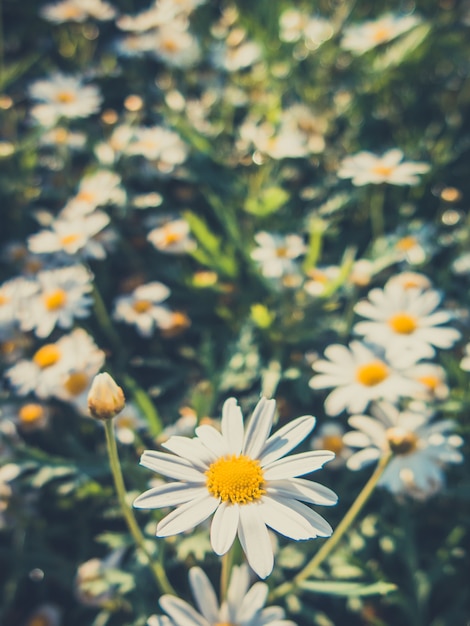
[[275, 253], [359, 38], [366, 168], [420, 448], [244, 605], [143, 308], [240, 477], [173, 237], [77, 11], [360, 374], [405, 321]]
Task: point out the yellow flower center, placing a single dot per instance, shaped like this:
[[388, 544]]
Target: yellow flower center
[[406, 243], [47, 355], [55, 300], [4, 300], [61, 135], [68, 239], [401, 441], [170, 237], [431, 382], [85, 196], [381, 33], [170, 45], [371, 374], [38, 620], [76, 383], [333, 443], [281, 252], [403, 323], [235, 479], [141, 306], [66, 97], [383, 170], [30, 413]]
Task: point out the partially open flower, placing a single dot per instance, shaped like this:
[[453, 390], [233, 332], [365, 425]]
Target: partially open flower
[[106, 399]]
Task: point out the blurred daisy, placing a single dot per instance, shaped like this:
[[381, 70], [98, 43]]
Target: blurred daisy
[[320, 278], [72, 237], [63, 96], [45, 615], [330, 437], [410, 280], [405, 321], [44, 373], [184, 425], [360, 374], [61, 137], [172, 237], [143, 308], [359, 38], [128, 423], [77, 11], [367, 168], [275, 253], [162, 146], [243, 606], [27, 417], [465, 361], [176, 46], [420, 448], [233, 58], [433, 377], [98, 189], [62, 297], [94, 583], [240, 477], [283, 141], [14, 295], [295, 25]]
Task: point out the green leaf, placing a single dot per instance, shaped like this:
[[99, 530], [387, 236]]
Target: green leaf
[[269, 201], [347, 588]]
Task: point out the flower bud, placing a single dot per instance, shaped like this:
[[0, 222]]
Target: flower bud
[[105, 399]]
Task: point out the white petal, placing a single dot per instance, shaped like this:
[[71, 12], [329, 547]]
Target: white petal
[[187, 516], [169, 494], [252, 603], [172, 466], [284, 520], [213, 440], [224, 527], [255, 540], [204, 595], [193, 449], [319, 525], [181, 612], [259, 427], [362, 458], [297, 464], [286, 438], [301, 489], [370, 426], [232, 426]]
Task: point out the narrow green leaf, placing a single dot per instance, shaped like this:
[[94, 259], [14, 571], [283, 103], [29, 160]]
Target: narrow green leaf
[[347, 588]]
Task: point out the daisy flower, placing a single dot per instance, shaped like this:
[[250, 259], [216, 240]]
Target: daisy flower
[[45, 615], [405, 321], [420, 448], [162, 146], [244, 605], [175, 46], [27, 417], [359, 38], [14, 293], [366, 168], [72, 237], [275, 253], [330, 437], [433, 377], [63, 96], [465, 361], [240, 477], [62, 296], [102, 187], [143, 308], [173, 236], [360, 374], [77, 11]]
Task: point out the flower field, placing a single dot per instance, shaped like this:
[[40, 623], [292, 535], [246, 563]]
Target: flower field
[[234, 313]]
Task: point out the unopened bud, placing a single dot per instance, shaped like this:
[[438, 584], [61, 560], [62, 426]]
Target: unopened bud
[[105, 399]]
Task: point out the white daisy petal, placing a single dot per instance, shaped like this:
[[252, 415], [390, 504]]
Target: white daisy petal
[[181, 612], [168, 494], [258, 428], [224, 527], [320, 526], [171, 466], [301, 489], [192, 449], [284, 520], [286, 438], [297, 464], [204, 595], [232, 425], [187, 516], [255, 541], [362, 458], [252, 603], [213, 440]]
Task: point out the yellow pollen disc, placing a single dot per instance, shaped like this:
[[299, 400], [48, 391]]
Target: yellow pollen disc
[[3, 300], [431, 382], [333, 443], [85, 196], [66, 97], [383, 170], [235, 479], [403, 323], [170, 45], [141, 306], [406, 243], [371, 374], [55, 300], [281, 252], [38, 620], [47, 355], [76, 383], [30, 413], [381, 34], [318, 276], [61, 135], [68, 239], [170, 237], [401, 441]]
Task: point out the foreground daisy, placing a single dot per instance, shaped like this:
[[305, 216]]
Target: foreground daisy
[[405, 321], [244, 606], [419, 448], [360, 374], [240, 477], [367, 168]]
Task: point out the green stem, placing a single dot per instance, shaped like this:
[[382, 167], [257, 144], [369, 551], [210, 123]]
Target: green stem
[[134, 529], [347, 521], [227, 564]]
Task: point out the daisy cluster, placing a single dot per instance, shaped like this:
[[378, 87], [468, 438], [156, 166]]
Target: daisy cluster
[[245, 214]]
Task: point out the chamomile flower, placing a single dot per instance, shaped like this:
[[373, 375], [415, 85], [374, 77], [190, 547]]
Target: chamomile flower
[[366, 168], [14, 294], [175, 45], [101, 188], [77, 11], [465, 361], [275, 253], [63, 96], [244, 605], [359, 38], [330, 437], [162, 146], [420, 448], [360, 374], [433, 377], [173, 236], [405, 321], [72, 237], [62, 296], [143, 308], [240, 477]]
